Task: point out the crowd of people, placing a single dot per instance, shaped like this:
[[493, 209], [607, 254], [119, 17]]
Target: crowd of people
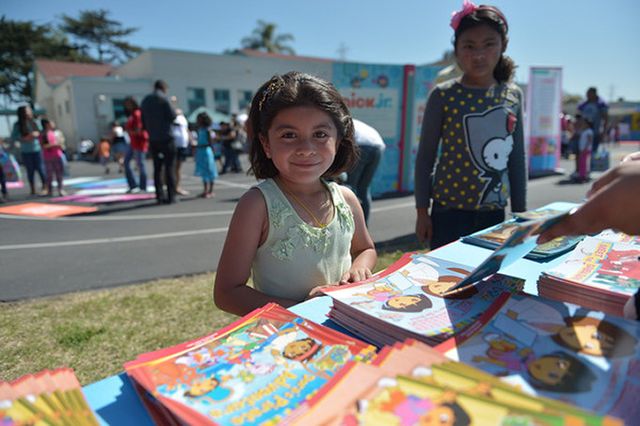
[[154, 129]]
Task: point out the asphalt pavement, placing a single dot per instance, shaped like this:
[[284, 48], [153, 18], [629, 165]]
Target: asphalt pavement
[[136, 242]]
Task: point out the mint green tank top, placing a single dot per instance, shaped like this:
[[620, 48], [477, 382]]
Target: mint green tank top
[[296, 256]]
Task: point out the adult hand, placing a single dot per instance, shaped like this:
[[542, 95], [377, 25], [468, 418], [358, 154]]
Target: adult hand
[[613, 202], [424, 228], [634, 156]]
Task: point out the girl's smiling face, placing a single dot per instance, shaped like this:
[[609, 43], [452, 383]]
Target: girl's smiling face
[[478, 51], [302, 143]]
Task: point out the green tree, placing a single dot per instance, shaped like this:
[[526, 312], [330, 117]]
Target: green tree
[[96, 35], [264, 38], [20, 43]]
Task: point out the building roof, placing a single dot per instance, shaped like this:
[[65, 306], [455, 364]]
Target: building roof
[[55, 72], [261, 54]]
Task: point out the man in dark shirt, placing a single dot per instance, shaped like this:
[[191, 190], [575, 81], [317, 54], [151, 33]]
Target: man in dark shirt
[[158, 117]]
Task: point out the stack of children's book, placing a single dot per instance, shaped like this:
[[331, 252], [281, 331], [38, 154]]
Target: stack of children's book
[[47, 398], [272, 367], [495, 236], [255, 371], [601, 273], [430, 299], [410, 383], [560, 351], [413, 299]]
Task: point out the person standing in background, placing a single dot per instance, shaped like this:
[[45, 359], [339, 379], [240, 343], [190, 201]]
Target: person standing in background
[[227, 135], [138, 145], [371, 146], [52, 152], [3, 179], [205, 164], [119, 146], [471, 157], [183, 140], [596, 111], [25, 131], [158, 117]]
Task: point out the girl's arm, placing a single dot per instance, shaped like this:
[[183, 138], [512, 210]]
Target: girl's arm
[[518, 164], [363, 251], [425, 161], [248, 229]]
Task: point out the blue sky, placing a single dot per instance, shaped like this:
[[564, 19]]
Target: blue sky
[[595, 41]]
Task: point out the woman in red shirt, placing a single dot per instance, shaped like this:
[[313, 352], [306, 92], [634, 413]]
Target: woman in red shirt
[[138, 147]]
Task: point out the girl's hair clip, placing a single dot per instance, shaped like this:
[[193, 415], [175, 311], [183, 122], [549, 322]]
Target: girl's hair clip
[[271, 89], [467, 9]]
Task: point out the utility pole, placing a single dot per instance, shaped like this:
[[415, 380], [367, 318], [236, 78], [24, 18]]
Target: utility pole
[[612, 92], [342, 51]]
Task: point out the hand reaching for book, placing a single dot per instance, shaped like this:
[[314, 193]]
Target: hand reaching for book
[[355, 274], [613, 202]]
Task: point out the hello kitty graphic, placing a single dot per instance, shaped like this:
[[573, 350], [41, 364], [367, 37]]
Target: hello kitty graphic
[[489, 137]]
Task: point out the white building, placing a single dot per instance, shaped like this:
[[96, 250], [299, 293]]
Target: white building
[[83, 99]]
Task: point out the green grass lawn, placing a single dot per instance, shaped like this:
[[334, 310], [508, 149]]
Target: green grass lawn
[[96, 332]]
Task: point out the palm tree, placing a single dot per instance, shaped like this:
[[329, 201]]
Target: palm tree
[[264, 37]]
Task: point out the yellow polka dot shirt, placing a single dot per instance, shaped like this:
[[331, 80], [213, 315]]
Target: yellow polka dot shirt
[[471, 154]]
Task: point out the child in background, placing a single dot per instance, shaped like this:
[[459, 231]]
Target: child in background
[[472, 132], [205, 165], [585, 140], [295, 233], [104, 153], [3, 179], [26, 132], [119, 145], [53, 157]]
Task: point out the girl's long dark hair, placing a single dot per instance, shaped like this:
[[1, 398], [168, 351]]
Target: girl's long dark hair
[[23, 121], [291, 90], [492, 17]]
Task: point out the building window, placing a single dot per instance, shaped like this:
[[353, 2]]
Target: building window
[[244, 99], [118, 111], [195, 98], [59, 110], [222, 100], [67, 107]]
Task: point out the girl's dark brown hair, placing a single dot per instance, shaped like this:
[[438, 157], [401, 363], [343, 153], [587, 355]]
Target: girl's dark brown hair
[[25, 125], [130, 105], [492, 17], [295, 89], [204, 120]]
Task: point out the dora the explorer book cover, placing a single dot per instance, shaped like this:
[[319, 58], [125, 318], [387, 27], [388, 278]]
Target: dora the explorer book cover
[[255, 370], [559, 351], [410, 299]]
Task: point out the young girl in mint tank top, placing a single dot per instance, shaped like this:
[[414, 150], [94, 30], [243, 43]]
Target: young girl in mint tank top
[[295, 232]]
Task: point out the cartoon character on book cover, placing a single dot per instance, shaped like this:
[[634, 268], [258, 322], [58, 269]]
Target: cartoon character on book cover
[[613, 266], [404, 401], [259, 372], [411, 296], [561, 351]]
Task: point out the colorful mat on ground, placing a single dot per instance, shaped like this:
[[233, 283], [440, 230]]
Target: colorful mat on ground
[[103, 199], [46, 210]]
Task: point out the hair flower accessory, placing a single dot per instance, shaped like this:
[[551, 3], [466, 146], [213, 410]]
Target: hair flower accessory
[[467, 8], [271, 89]]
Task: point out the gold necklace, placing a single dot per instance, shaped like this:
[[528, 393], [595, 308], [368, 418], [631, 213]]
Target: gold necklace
[[306, 208]]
